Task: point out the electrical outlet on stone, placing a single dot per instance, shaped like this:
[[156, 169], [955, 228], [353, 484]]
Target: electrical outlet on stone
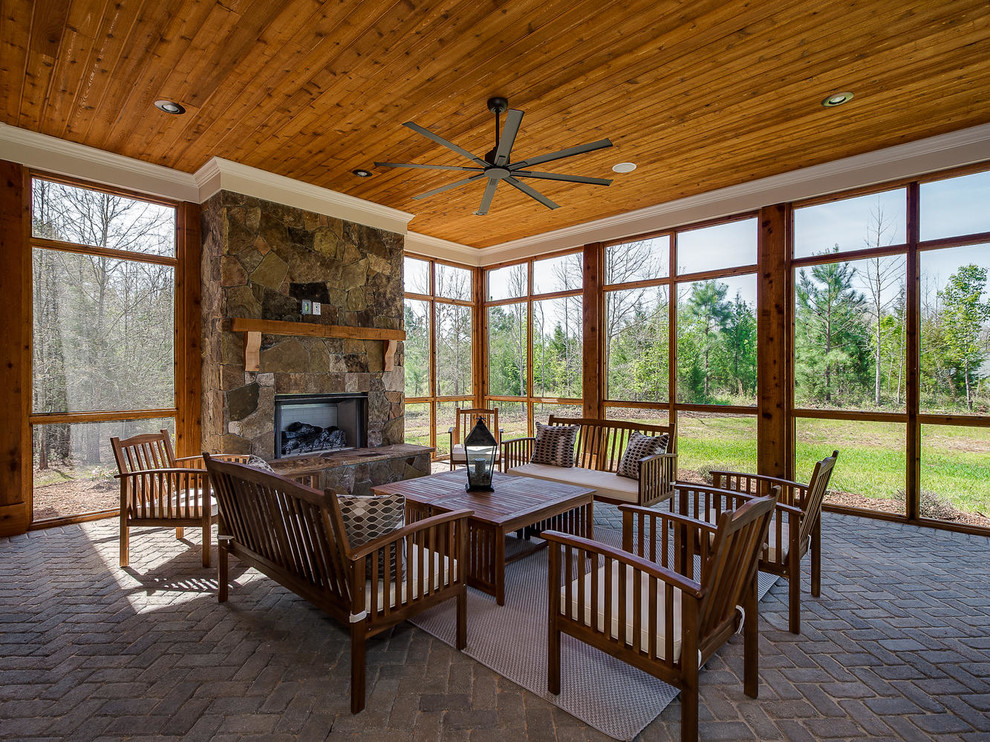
[[317, 307], [307, 306]]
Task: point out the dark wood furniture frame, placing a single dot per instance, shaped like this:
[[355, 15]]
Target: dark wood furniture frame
[[295, 535], [659, 549], [600, 445], [158, 489], [798, 514], [518, 504], [464, 420]]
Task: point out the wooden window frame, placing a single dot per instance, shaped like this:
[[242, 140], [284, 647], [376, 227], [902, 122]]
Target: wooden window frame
[[187, 393], [529, 400], [432, 399]]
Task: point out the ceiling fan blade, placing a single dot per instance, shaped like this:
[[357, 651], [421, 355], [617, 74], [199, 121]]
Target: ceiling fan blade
[[531, 192], [486, 200], [427, 167], [558, 176], [441, 189], [561, 154], [513, 119], [440, 140]]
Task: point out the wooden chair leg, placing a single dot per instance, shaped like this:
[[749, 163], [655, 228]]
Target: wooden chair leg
[[358, 639], [180, 532], [553, 658], [206, 544], [223, 575], [461, 619], [689, 703], [751, 644], [794, 592], [125, 557], [816, 559]]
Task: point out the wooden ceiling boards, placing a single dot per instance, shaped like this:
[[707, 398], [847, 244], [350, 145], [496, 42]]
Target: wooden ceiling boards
[[700, 94]]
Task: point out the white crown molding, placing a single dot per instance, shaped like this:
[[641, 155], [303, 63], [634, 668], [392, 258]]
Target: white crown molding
[[434, 247], [62, 157], [219, 174], [955, 149]]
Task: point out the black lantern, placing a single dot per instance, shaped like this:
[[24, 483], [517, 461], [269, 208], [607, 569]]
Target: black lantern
[[479, 450]]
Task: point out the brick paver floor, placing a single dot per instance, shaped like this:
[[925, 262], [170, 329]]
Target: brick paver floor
[[898, 647]]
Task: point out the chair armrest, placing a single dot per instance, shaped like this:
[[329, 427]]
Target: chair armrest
[[791, 492], [516, 451], [197, 462], [596, 549], [656, 477], [165, 473]]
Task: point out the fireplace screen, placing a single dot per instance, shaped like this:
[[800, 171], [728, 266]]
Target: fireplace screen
[[314, 423]]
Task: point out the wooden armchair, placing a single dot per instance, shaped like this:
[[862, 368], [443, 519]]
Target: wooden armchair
[[158, 489], [665, 602], [464, 421], [295, 535], [794, 530]]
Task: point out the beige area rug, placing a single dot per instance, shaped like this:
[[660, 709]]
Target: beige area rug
[[601, 691]]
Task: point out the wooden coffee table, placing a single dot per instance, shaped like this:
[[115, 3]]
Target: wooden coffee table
[[516, 503]]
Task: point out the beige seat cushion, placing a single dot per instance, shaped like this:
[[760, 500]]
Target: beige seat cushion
[[157, 509], [605, 483], [627, 630]]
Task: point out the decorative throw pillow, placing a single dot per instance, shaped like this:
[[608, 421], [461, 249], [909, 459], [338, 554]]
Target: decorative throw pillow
[[368, 517], [554, 445], [256, 462], [639, 447]]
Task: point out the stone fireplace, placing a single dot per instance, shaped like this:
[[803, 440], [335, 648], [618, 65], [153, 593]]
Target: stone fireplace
[[260, 261]]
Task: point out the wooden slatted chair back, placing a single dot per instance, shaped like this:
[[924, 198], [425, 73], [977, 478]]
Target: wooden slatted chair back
[[814, 497], [465, 419], [297, 530], [143, 452], [731, 566], [601, 443]]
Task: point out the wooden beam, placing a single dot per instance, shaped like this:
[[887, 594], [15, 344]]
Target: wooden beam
[[773, 395], [15, 349], [189, 332], [308, 329], [254, 328], [912, 306], [592, 384]]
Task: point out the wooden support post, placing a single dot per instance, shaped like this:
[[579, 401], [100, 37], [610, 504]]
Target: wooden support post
[[912, 480], [188, 333], [15, 349], [774, 425], [592, 384]]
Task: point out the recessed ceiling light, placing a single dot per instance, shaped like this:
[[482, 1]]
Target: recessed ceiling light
[[362, 173], [837, 99], [169, 106], [624, 167]]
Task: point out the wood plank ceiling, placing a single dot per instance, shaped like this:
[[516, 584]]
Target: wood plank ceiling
[[701, 94]]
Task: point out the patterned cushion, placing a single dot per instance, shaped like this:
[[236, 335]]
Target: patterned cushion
[[368, 517], [639, 447], [256, 462], [554, 445]]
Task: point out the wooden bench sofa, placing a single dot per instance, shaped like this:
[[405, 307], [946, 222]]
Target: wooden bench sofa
[[296, 536], [597, 453]]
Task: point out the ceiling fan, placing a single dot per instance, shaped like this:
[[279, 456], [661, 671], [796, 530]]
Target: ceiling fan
[[496, 165]]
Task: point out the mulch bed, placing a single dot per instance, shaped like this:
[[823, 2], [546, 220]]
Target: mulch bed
[[75, 497]]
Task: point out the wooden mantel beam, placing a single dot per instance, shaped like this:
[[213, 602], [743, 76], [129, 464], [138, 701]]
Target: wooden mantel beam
[[253, 329]]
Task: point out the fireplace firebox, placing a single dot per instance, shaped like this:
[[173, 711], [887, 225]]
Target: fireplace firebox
[[315, 423]]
